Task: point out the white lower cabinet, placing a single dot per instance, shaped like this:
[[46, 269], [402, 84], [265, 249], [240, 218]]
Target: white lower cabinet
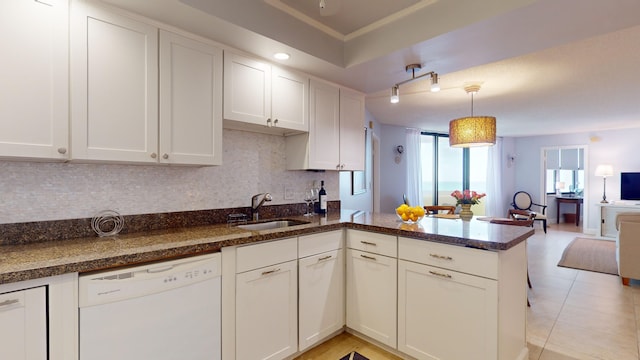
[[38, 319], [23, 324], [445, 314], [372, 286], [267, 301], [461, 303], [320, 287]]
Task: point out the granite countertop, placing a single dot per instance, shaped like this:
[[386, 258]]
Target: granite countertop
[[42, 259]]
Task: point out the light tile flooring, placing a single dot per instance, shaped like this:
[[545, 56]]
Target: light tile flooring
[[574, 314], [577, 314]]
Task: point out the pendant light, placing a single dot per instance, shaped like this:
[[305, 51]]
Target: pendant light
[[472, 130]]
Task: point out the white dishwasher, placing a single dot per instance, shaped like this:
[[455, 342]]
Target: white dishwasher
[[168, 310]]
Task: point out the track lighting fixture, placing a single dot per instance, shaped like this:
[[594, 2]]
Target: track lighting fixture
[[395, 90], [322, 4]]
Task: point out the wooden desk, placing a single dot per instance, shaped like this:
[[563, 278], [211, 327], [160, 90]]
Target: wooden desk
[[569, 200]]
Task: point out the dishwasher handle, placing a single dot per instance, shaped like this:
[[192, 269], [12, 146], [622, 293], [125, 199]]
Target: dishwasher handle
[[160, 269]]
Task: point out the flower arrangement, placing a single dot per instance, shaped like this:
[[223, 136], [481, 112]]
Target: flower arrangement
[[467, 197]]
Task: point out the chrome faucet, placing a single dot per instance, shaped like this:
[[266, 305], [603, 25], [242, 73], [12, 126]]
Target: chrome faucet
[[255, 205]]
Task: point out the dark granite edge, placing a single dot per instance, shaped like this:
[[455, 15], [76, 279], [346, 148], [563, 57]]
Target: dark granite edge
[[449, 240], [257, 236]]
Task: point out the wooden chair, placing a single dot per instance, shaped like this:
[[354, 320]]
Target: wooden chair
[[522, 201], [435, 209]]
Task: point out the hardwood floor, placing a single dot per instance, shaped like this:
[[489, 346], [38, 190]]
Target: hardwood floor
[[342, 345]]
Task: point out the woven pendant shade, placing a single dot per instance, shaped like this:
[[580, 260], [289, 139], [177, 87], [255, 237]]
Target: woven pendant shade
[[472, 131]]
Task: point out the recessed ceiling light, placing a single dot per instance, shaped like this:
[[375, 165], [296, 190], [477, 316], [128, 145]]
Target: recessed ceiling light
[[281, 56]]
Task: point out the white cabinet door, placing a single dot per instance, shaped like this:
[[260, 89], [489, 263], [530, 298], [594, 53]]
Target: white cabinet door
[[190, 101], [23, 324], [247, 90], [324, 126], [114, 81], [34, 100], [267, 312], [352, 134], [289, 100], [336, 138], [372, 295], [437, 308], [321, 297]]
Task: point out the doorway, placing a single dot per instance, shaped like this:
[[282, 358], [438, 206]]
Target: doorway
[[564, 184]]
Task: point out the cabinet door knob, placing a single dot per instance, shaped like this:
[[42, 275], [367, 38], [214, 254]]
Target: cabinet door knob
[[62, 150], [165, 156], [341, 166], [154, 155], [275, 122], [269, 122]]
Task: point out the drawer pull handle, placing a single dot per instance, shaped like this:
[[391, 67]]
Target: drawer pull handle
[[369, 243], [441, 257], [325, 258], [9, 302], [440, 274], [369, 257], [269, 272]]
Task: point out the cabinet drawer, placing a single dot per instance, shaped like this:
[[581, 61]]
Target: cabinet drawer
[[264, 254], [467, 260], [372, 242], [318, 243]]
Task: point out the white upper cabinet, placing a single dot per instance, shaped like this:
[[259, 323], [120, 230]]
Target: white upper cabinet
[[352, 135], [190, 101], [264, 98], [34, 113], [336, 135], [114, 87], [123, 71]]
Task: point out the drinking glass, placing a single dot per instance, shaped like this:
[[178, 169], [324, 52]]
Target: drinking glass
[[314, 198], [308, 198]]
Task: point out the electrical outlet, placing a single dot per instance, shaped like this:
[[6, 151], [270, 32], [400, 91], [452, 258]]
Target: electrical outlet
[[289, 194]]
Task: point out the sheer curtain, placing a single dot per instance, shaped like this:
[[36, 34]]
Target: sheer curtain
[[414, 168], [495, 206]]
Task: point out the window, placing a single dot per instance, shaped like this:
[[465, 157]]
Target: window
[[445, 169], [565, 172]]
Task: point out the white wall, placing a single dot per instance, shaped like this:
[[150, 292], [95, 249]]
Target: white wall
[[393, 176], [252, 163], [616, 147]]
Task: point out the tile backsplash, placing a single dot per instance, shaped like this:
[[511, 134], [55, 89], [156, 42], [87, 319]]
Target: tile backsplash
[[252, 163]]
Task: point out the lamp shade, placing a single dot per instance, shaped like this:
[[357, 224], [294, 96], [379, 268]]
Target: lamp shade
[[604, 170], [472, 131]]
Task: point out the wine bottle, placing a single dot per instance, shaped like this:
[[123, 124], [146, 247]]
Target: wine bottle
[[322, 198]]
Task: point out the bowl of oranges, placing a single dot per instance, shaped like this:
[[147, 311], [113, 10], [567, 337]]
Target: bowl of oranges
[[410, 214]]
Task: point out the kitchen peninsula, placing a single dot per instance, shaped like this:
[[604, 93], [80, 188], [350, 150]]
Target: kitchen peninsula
[[453, 278]]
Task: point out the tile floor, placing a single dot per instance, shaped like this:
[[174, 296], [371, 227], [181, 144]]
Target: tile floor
[[577, 314]]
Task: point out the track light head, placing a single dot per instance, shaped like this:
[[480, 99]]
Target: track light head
[[435, 87], [395, 96]]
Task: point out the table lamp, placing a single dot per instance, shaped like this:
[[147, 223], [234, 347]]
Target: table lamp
[[604, 171]]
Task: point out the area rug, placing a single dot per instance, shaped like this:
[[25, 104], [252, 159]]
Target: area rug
[[353, 356], [591, 255]]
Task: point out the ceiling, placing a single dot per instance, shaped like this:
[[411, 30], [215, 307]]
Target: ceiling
[[545, 66]]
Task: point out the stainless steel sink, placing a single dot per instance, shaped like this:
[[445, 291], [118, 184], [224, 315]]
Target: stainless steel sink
[[277, 224]]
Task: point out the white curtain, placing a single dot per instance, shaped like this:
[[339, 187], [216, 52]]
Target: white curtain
[[414, 167], [495, 206]]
